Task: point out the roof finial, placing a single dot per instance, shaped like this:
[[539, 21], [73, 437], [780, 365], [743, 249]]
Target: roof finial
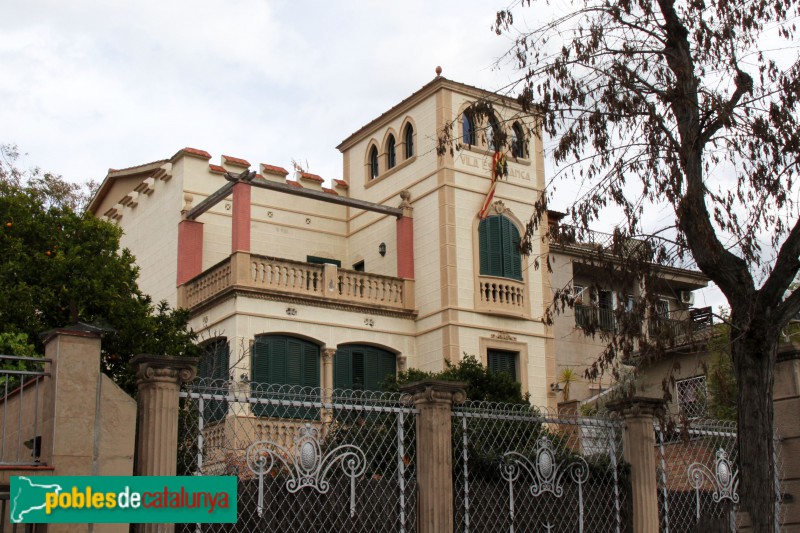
[[438, 71]]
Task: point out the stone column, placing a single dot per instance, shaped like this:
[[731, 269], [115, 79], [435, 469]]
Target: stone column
[[405, 239], [434, 400], [240, 225], [158, 382], [639, 443], [327, 370], [786, 398]]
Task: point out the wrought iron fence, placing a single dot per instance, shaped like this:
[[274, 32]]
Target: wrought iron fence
[[21, 409], [307, 459], [522, 468], [697, 475]]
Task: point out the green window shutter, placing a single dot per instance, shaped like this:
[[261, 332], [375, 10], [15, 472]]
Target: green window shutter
[[502, 361], [310, 369], [495, 246], [498, 248], [343, 369], [361, 367], [279, 360], [359, 370], [260, 367], [294, 362], [512, 267], [483, 246], [387, 366]]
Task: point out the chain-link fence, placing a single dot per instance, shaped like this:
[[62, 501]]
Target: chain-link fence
[[307, 459], [521, 468]]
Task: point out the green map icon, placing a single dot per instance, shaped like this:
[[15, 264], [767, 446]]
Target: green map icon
[[28, 496]]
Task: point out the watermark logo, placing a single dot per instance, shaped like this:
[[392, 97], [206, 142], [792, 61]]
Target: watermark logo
[[123, 499]]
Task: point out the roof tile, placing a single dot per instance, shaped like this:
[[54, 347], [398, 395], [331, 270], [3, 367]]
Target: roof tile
[[236, 161]]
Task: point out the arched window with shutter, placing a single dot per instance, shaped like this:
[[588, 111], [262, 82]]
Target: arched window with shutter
[[283, 360], [498, 241], [361, 367]]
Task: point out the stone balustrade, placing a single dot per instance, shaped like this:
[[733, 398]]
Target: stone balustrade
[[501, 295], [296, 278]]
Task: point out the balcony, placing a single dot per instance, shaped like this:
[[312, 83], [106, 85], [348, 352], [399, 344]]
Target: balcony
[[674, 331], [501, 296], [311, 283], [587, 317]]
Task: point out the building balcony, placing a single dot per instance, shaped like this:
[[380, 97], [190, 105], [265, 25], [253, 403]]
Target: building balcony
[[674, 331], [501, 296], [309, 283]]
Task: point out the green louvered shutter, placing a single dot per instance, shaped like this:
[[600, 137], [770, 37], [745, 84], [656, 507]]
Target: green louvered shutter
[[510, 249], [502, 361], [495, 246], [310, 376], [483, 246], [279, 360], [260, 367], [363, 367], [343, 369], [359, 370], [387, 366]]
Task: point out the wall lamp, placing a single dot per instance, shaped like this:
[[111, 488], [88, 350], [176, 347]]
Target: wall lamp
[[382, 249]]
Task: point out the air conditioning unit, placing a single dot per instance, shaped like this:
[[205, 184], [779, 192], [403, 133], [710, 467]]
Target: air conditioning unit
[[686, 297]]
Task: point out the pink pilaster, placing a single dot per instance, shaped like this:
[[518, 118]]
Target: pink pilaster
[[405, 247], [240, 226], [190, 250]]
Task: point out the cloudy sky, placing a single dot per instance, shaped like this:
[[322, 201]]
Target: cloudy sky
[[89, 84]]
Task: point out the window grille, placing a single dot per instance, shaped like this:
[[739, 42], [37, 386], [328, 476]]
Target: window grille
[[691, 394]]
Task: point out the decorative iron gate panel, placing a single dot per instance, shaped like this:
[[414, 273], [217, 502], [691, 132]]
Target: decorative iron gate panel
[[314, 460], [698, 477], [518, 468]]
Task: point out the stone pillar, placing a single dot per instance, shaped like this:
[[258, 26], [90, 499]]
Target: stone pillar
[[786, 398], [240, 225], [639, 443], [434, 401], [158, 382], [405, 239], [190, 250], [327, 369]]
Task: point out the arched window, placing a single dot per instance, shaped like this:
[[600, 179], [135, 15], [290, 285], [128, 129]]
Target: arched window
[[214, 368], [517, 140], [360, 367], [408, 135], [373, 162], [494, 135], [498, 241], [282, 360], [468, 128], [391, 155]]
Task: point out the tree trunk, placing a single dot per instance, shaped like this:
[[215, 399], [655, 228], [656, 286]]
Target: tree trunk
[[754, 356]]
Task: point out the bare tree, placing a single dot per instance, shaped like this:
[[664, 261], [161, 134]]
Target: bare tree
[[682, 103]]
